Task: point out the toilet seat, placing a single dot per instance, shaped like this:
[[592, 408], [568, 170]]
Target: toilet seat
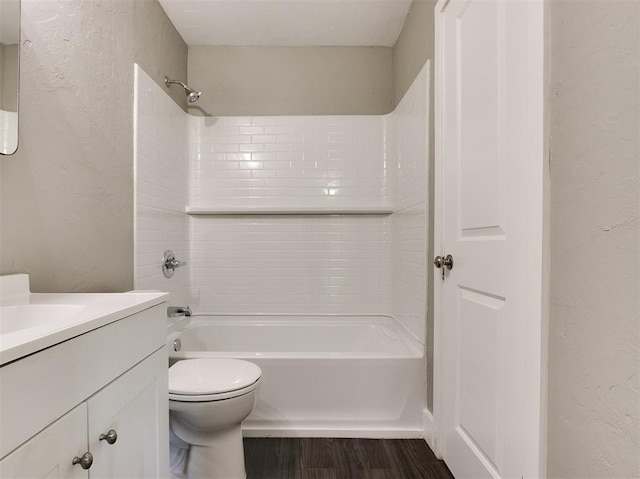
[[212, 397], [212, 379]]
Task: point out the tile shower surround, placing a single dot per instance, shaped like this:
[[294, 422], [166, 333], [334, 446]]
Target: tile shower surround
[[289, 264], [159, 188], [288, 161], [296, 263], [408, 133]]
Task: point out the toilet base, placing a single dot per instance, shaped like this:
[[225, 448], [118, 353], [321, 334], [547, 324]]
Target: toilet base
[[221, 458]]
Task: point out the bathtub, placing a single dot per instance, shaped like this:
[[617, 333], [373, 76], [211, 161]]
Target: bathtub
[[323, 375]]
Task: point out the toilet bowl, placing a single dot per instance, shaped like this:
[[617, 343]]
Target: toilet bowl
[[208, 400]]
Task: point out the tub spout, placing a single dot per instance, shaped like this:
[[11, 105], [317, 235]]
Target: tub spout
[[175, 311]]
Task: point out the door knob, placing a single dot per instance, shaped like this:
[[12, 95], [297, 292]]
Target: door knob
[[111, 437], [85, 461], [443, 263], [446, 262]]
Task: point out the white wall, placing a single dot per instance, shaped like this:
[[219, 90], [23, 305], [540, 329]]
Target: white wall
[[288, 161], [408, 128], [160, 164], [8, 130], [305, 264], [317, 264]]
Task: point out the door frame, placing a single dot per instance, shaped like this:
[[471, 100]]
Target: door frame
[[536, 460], [438, 238]]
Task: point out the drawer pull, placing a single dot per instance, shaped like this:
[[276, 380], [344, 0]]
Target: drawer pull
[[85, 461], [111, 437]]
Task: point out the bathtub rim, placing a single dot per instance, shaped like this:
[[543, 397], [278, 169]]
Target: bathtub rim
[[415, 348]]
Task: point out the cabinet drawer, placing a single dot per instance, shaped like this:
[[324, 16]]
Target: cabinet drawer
[[46, 385]]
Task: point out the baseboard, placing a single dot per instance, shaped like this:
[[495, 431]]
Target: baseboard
[[332, 432], [429, 429]]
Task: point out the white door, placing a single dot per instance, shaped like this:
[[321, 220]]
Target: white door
[[50, 453], [129, 408], [491, 164]]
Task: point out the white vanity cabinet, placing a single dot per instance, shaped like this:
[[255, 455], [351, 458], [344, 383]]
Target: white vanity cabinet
[[48, 454], [131, 406], [56, 404]]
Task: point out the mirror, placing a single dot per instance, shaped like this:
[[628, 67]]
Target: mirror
[[9, 74]]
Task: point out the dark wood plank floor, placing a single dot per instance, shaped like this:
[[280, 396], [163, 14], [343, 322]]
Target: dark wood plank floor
[[330, 458]]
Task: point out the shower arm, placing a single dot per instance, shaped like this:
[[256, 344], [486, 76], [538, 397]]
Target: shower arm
[[192, 95], [168, 82]]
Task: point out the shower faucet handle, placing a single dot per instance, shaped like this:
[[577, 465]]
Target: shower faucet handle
[[174, 263], [170, 263]]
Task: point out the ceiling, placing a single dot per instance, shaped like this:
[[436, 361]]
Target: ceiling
[[288, 22]]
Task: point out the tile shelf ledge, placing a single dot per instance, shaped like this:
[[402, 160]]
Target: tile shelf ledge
[[288, 210]]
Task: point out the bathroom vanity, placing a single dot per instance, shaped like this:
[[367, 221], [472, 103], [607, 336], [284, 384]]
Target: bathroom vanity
[[88, 397]]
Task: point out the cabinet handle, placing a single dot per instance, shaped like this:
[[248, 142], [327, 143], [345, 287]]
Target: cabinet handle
[[111, 437], [85, 461]]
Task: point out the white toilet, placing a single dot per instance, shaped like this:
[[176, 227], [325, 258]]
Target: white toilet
[[208, 400]]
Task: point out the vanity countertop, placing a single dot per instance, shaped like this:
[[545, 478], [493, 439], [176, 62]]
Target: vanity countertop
[[30, 322]]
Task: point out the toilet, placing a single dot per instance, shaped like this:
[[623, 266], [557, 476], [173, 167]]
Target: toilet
[[208, 400]]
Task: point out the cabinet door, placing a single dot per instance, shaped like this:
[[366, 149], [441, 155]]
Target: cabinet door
[[49, 453], [136, 406]]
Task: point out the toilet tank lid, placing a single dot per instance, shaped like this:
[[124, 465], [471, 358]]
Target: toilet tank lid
[[211, 376]]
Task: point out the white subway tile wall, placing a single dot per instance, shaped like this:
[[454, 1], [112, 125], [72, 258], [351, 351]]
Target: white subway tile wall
[[293, 264], [157, 231], [409, 271], [288, 161], [160, 188], [408, 128]]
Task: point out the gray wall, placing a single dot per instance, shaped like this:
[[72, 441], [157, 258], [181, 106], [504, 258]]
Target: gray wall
[[2, 82], [414, 47], [66, 197], [159, 48], [291, 80], [594, 335], [9, 76]]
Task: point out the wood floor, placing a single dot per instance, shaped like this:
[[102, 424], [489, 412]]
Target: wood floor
[[329, 458]]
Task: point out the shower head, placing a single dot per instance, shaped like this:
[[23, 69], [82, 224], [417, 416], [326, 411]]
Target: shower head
[[192, 95]]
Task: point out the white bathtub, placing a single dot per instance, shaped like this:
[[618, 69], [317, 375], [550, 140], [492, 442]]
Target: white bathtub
[[331, 376]]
